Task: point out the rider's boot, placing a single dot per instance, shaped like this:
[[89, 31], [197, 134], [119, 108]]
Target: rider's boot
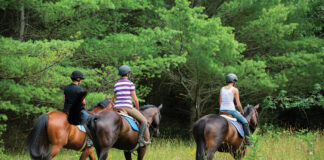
[[141, 141], [247, 134], [89, 142]]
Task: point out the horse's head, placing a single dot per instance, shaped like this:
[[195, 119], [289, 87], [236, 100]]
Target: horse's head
[[251, 115], [153, 116]]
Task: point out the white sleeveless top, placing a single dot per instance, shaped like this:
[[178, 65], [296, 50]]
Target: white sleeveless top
[[227, 99]]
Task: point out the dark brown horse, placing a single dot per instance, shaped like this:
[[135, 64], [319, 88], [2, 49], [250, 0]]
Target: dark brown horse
[[215, 133], [53, 128], [109, 129]]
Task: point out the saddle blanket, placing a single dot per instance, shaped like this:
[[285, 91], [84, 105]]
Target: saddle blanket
[[237, 125], [131, 122], [81, 128]]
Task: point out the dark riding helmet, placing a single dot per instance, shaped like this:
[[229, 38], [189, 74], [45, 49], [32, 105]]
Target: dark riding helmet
[[124, 70], [231, 78], [76, 74]]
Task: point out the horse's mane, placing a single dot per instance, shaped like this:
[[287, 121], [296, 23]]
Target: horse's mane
[[147, 106], [248, 110], [103, 104]]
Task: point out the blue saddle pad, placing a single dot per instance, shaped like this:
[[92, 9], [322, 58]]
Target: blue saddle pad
[[238, 126], [131, 122], [81, 128]]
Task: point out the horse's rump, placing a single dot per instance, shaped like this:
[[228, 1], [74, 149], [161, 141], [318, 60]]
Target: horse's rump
[[69, 135]]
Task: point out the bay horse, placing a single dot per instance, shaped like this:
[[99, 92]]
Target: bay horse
[[215, 133], [53, 128], [110, 130]]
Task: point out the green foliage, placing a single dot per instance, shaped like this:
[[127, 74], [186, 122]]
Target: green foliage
[[301, 102], [302, 70], [275, 47], [255, 148], [25, 74], [269, 27], [308, 139], [211, 52]]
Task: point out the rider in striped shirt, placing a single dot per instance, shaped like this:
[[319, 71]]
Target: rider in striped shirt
[[124, 92]]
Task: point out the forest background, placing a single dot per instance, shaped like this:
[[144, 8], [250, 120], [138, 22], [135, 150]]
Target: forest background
[[179, 52]]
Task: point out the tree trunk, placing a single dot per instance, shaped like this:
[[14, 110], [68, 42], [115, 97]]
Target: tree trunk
[[22, 22]]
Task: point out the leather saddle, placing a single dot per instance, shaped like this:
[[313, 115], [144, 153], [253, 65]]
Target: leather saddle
[[226, 114]]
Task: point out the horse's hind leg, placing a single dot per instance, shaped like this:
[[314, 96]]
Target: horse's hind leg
[[211, 152], [128, 155], [92, 155], [212, 146], [87, 153], [103, 154], [55, 150], [141, 152]]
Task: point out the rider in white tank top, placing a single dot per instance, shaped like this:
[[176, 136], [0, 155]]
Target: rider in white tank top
[[227, 99], [227, 95]]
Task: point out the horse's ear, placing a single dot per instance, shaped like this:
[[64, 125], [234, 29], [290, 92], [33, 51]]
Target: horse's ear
[[257, 106], [160, 106]]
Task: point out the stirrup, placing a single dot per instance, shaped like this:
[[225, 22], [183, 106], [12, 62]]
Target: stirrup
[[144, 143]]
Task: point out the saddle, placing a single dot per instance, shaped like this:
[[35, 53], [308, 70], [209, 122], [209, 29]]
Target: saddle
[[227, 116], [234, 121], [132, 121]]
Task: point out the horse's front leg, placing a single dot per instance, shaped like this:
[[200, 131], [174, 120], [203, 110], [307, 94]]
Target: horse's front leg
[[239, 153], [87, 152], [128, 155], [141, 152], [103, 153]]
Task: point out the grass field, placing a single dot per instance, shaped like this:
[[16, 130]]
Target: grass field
[[273, 145]]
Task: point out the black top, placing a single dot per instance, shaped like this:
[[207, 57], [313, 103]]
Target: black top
[[71, 92]]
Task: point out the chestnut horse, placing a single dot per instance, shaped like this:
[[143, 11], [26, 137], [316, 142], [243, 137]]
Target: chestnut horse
[[215, 133], [109, 129], [53, 128]]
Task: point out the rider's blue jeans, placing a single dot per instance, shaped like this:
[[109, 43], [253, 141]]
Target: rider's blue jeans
[[240, 118], [84, 116]]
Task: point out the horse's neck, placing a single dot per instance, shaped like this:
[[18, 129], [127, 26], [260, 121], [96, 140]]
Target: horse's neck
[[149, 115], [248, 118]]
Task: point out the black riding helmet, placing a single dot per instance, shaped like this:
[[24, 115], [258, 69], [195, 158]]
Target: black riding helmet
[[124, 70], [77, 74], [231, 78]]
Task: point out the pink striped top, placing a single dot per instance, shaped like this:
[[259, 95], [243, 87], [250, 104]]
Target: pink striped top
[[123, 89]]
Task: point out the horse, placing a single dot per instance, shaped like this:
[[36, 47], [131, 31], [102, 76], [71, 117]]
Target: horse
[[153, 116], [110, 130], [53, 128], [215, 133]]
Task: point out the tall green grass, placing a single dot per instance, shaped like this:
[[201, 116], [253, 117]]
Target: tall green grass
[[272, 145]]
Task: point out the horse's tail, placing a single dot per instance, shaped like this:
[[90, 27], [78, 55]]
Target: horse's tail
[[198, 131], [37, 141], [91, 124]]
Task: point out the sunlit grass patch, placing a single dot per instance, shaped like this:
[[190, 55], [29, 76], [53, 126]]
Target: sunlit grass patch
[[284, 144]]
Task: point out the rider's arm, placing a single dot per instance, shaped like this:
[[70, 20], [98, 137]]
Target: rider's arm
[[237, 98], [63, 98], [135, 100]]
